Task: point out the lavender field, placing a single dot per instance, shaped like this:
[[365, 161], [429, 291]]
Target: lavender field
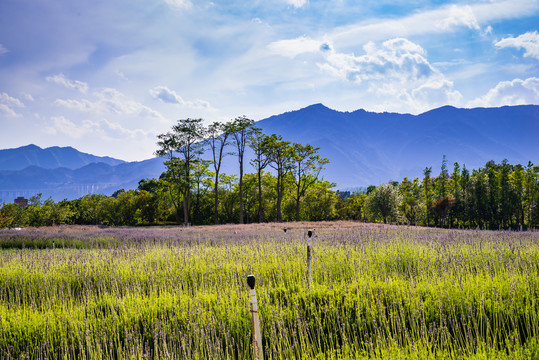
[[180, 293]]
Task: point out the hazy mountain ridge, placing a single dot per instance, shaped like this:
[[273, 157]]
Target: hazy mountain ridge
[[370, 148], [49, 158], [363, 147]]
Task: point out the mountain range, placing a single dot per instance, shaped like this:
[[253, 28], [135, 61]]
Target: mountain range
[[363, 148]]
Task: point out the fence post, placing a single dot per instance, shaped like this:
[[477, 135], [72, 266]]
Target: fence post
[[257, 336], [309, 257]]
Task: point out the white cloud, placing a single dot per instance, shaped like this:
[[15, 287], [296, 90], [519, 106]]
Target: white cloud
[[444, 19], [459, 16], [3, 50], [110, 101], [516, 92], [7, 111], [396, 69], [166, 95], [103, 128], [10, 101], [528, 41], [66, 127], [28, 97], [179, 4], [397, 59], [294, 47], [297, 3], [7, 103], [70, 84]]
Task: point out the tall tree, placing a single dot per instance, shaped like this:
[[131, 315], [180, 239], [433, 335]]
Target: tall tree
[[427, 190], [202, 183], [186, 141], [241, 130], [259, 143], [280, 152], [218, 138], [409, 201], [466, 195], [307, 165], [530, 192]]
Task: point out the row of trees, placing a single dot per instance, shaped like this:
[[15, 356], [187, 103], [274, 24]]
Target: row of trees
[[152, 204], [493, 197], [188, 140]]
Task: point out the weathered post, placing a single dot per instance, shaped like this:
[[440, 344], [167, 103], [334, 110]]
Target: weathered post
[[257, 336], [309, 257]]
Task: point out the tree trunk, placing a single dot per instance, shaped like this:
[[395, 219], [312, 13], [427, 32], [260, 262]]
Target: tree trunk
[[216, 210], [241, 192], [279, 198], [297, 209], [279, 214], [186, 208], [260, 209]]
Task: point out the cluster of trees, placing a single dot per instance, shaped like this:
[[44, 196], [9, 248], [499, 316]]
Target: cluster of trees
[[151, 204], [496, 196], [294, 164], [493, 197]]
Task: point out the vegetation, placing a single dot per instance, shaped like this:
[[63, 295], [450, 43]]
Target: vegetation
[[498, 196], [377, 292]]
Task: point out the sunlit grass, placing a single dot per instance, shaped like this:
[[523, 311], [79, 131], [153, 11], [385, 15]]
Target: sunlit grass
[[382, 292]]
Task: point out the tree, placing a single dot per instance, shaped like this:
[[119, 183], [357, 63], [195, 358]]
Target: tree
[[307, 165], [186, 140], [202, 182], [410, 204], [530, 192], [281, 155], [241, 129], [218, 138], [383, 203], [259, 143], [427, 191]]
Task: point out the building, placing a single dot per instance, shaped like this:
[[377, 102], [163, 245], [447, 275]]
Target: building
[[343, 194], [21, 201]]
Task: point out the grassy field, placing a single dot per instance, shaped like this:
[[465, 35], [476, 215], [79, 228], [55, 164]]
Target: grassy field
[[180, 293]]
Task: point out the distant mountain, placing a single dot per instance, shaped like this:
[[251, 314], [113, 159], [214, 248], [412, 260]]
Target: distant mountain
[[372, 148], [363, 148], [63, 183], [49, 158]]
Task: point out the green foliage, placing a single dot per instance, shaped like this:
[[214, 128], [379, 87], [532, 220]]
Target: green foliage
[[382, 204]]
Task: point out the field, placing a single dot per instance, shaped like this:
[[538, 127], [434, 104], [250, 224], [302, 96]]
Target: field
[[377, 292]]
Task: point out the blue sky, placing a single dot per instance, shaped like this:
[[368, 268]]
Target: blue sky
[[107, 76]]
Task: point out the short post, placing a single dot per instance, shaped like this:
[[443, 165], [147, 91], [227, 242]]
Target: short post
[[257, 336], [309, 257]]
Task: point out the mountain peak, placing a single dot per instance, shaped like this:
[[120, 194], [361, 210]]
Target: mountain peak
[[49, 158]]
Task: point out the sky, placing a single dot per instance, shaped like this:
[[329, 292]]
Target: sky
[[108, 76]]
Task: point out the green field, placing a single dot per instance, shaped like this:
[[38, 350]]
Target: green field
[[377, 291]]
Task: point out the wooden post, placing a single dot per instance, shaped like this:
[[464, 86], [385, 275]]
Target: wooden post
[[309, 257], [257, 335]]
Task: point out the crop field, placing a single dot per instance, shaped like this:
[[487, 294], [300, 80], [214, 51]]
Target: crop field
[[377, 291]]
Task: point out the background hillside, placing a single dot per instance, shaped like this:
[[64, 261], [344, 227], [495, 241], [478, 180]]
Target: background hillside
[[371, 148], [363, 147]]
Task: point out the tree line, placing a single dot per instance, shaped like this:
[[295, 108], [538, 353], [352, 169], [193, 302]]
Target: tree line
[[497, 196], [286, 186]]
